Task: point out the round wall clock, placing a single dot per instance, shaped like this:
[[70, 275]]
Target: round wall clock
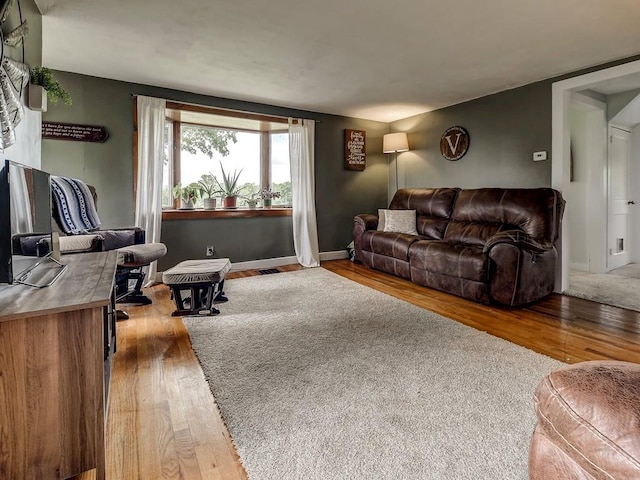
[[454, 143]]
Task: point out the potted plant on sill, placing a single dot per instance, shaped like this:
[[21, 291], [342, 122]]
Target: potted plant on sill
[[209, 186], [42, 85], [267, 196], [229, 187], [252, 201], [188, 195]]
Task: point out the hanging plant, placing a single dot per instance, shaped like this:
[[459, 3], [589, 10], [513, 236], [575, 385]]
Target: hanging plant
[[43, 77]]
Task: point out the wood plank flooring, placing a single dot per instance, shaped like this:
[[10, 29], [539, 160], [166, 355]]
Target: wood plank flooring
[[163, 422]]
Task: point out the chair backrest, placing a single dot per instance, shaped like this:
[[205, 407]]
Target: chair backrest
[[74, 206]]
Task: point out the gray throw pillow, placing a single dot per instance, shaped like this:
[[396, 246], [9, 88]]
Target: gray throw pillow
[[400, 221], [381, 222]]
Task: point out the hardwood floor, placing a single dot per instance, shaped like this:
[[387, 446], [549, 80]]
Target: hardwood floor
[[163, 422]]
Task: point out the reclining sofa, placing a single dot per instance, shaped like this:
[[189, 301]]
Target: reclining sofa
[[486, 245]]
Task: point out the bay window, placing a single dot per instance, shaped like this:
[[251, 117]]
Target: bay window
[[204, 141]]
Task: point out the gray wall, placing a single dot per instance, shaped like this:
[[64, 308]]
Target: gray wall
[[504, 129], [340, 194]]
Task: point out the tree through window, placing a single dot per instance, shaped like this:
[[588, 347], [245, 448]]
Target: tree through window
[[203, 145]]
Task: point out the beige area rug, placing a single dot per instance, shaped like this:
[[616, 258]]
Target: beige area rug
[[620, 287], [318, 377]]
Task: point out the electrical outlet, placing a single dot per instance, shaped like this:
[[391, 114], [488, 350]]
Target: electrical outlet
[[539, 156], [210, 250]]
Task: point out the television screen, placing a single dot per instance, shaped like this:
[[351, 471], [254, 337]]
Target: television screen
[[25, 219]]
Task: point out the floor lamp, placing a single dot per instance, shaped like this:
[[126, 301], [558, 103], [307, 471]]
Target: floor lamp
[[394, 143]]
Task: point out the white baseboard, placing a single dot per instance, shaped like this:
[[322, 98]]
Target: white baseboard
[[580, 267], [275, 262], [264, 263], [335, 255]]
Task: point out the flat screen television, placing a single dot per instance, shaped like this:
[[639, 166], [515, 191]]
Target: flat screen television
[[25, 221]]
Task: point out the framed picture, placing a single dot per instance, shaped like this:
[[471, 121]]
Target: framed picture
[[354, 149]]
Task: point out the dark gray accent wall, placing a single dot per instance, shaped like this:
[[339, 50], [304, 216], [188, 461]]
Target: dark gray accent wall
[[504, 129], [240, 239], [340, 194]]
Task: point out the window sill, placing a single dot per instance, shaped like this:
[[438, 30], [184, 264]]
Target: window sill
[[225, 213]]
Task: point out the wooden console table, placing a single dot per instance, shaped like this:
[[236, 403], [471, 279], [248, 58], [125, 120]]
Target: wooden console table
[[56, 346]]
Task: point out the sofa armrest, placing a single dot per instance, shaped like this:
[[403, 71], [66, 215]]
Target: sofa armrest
[[366, 221], [362, 223], [519, 239]]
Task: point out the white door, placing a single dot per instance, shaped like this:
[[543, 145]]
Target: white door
[[619, 201]]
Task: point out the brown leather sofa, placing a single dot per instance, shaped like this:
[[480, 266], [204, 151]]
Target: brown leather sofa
[[486, 245], [588, 423]]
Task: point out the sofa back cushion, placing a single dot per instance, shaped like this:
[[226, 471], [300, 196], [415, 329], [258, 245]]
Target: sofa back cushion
[[481, 213], [433, 207]]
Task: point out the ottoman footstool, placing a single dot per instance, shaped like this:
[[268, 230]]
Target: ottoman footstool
[[204, 282], [588, 423]]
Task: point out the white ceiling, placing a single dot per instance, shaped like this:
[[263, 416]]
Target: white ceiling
[[381, 60]]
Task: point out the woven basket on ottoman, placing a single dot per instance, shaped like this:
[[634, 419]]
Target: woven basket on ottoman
[[204, 279]]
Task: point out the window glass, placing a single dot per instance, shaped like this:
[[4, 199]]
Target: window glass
[[280, 168], [207, 150]]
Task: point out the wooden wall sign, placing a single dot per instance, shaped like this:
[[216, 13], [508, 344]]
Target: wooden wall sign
[[78, 133], [454, 143], [354, 149]]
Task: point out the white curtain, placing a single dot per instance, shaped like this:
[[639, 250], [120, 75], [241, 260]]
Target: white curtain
[[305, 230], [151, 119]]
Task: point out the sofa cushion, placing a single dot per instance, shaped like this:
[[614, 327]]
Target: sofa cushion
[[390, 244], [535, 211], [473, 233], [400, 221], [455, 260], [381, 219], [433, 208]]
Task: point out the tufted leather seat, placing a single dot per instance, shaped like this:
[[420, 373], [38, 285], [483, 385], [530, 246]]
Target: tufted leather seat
[[391, 244], [588, 423]]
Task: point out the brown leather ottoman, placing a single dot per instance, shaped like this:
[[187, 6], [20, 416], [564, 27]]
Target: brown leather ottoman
[[588, 423]]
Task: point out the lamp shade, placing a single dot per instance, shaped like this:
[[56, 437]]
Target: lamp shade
[[395, 142]]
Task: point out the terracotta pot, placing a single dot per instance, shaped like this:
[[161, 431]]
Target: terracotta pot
[[230, 202]]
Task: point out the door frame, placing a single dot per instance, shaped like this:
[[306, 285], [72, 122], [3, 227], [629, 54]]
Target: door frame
[[592, 168], [610, 245], [560, 146]]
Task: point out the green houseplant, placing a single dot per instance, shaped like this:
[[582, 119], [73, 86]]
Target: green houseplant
[[209, 184], [229, 187], [188, 195], [42, 77], [252, 201], [267, 196]]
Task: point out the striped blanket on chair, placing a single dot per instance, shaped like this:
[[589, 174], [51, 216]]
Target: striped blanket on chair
[[74, 205]]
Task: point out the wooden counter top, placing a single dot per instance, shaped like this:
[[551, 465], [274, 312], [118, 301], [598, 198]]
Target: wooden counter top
[[86, 283]]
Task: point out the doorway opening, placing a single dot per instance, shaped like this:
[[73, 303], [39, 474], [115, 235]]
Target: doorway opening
[[600, 221]]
